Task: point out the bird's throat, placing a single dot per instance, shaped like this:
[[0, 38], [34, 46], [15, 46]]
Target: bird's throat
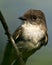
[[32, 32]]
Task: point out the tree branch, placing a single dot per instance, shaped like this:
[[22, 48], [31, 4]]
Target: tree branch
[[5, 26]]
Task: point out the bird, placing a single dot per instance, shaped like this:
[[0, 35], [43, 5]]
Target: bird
[[32, 34]]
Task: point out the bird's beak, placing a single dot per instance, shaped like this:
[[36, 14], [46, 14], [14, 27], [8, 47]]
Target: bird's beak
[[22, 18]]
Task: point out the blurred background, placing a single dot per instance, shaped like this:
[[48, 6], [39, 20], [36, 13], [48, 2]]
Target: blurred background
[[11, 10]]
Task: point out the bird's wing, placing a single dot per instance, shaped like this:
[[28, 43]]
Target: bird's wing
[[10, 54], [17, 33]]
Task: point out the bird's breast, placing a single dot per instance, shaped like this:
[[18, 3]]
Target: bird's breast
[[32, 32]]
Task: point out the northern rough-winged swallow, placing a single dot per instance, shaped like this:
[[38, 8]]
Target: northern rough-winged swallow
[[32, 34]]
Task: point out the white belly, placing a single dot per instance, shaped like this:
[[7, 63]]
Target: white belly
[[32, 32]]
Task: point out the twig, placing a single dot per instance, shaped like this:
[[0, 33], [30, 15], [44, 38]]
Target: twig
[[5, 26]]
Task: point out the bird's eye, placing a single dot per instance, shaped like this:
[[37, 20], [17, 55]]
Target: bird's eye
[[34, 17]]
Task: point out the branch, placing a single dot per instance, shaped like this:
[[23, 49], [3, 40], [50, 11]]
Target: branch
[[5, 26]]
